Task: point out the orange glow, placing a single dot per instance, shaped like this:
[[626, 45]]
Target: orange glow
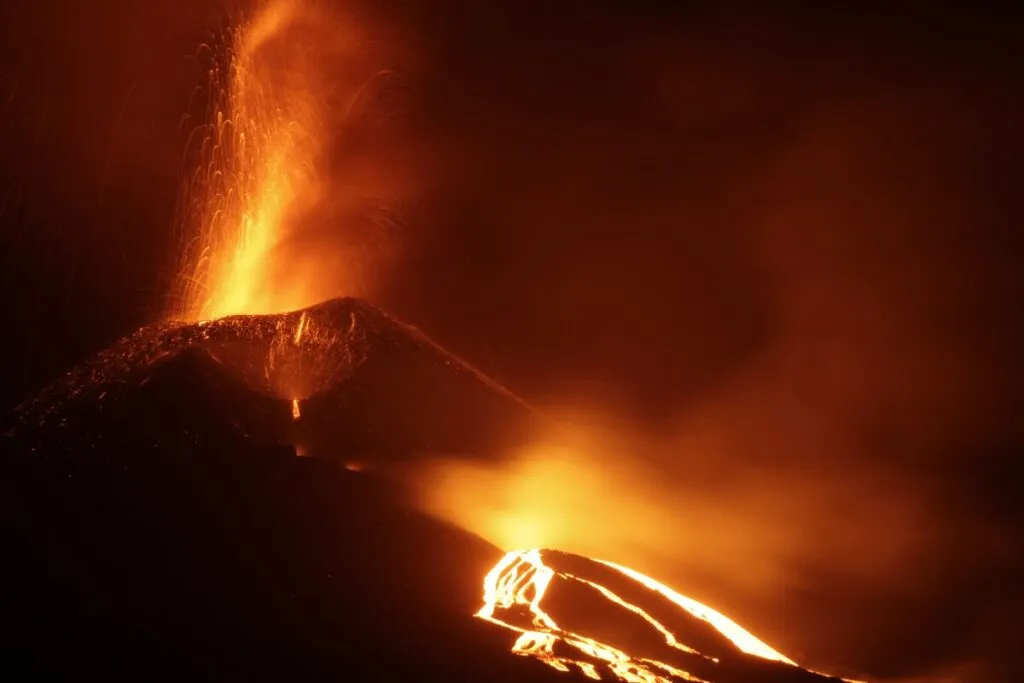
[[580, 490], [513, 596], [262, 171], [548, 495], [258, 169], [727, 627], [296, 411], [521, 579]]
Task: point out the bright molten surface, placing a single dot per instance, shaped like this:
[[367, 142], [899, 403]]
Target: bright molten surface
[[517, 597]]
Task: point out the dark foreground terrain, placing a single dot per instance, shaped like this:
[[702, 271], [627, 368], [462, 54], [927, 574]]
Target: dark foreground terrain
[[160, 523]]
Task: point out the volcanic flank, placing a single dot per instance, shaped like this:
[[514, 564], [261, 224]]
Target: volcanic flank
[[341, 377], [159, 524]]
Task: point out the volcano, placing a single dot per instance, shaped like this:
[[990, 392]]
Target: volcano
[[161, 523], [360, 380]]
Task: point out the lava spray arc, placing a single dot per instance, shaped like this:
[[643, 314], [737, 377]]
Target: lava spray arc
[[257, 165], [282, 86]]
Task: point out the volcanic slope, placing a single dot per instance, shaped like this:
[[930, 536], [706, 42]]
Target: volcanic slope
[[159, 523], [341, 378]]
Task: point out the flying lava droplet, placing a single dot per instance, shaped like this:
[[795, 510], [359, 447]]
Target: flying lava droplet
[[258, 170]]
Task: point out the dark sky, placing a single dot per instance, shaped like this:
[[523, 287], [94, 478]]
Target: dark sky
[[798, 230]]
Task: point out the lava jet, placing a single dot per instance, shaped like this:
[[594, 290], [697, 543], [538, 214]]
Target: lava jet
[[161, 521]]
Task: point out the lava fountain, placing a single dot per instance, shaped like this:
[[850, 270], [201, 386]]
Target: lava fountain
[[282, 87]]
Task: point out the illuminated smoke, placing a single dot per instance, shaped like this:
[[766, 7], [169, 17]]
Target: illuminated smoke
[[728, 533]]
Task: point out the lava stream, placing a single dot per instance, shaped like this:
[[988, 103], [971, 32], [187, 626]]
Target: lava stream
[[514, 591], [740, 637]]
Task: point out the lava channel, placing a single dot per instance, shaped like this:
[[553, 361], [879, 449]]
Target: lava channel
[[635, 630]]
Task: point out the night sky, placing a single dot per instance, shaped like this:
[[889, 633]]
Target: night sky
[[790, 237]]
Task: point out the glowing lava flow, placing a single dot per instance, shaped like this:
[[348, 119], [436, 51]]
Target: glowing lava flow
[[740, 637], [514, 591], [521, 579]]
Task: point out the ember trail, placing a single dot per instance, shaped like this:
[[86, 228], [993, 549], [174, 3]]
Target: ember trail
[[284, 87], [258, 163]]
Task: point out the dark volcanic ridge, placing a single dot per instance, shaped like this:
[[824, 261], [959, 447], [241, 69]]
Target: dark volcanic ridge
[[363, 379]]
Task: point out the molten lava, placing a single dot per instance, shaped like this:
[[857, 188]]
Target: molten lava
[[514, 598], [284, 87], [258, 171]]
